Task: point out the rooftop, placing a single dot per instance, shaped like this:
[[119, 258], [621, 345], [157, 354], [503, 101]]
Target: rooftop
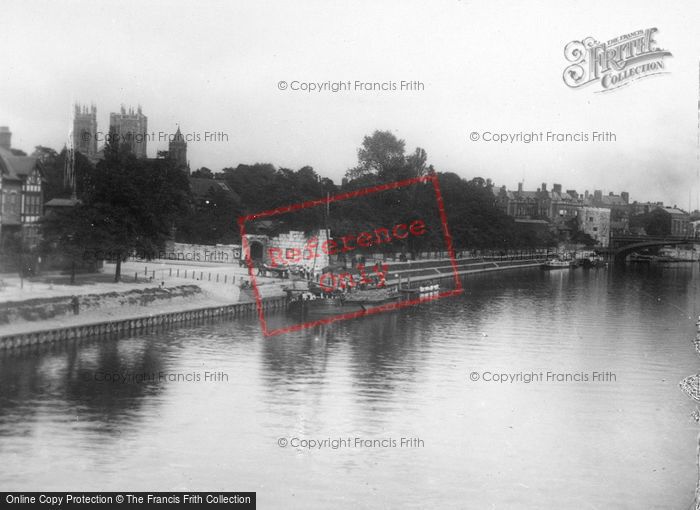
[[15, 167], [201, 186], [62, 202]]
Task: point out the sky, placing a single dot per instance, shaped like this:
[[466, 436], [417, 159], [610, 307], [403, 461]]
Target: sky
[[216, 67]]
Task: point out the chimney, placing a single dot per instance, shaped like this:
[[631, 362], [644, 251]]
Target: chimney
[[544, 186], [520, 187], [625, 197], [556, 188], [5, 137]]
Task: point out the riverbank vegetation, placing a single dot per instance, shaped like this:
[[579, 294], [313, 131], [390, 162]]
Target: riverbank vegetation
[[129, 204]]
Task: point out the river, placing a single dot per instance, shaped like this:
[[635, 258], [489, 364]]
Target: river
[[425, 374]]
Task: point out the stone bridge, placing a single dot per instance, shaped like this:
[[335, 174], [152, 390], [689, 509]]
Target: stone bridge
[[623, 245]]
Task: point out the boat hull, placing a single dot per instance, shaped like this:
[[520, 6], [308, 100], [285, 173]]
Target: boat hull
[[333, 306], [553, 267]]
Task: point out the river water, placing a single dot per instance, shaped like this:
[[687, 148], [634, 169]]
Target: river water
[[625, 440]]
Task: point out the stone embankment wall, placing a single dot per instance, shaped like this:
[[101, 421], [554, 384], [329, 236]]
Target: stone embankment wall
[[48, 308], [152, 323]]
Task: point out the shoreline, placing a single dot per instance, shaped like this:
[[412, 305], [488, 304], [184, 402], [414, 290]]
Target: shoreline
[[134, 321], [134, 324]]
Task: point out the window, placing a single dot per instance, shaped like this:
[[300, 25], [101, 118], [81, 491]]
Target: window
[[32, 205]]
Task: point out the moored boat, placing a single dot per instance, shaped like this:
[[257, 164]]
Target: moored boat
[[557, 264], [640, 258], [677, 254], [339, 302], [594, 261]]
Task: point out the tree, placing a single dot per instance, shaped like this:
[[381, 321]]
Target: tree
[[68, 231], [213, 220], [577, 235], [378, 154], [474, 219], [262, 187], [44, 154], [416, 162], [654, 223], [15, 250], [203, 173], [53, 169], [254, 184], [132, 204]]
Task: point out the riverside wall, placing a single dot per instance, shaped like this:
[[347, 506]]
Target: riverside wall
[[135, 325], [115, 328]]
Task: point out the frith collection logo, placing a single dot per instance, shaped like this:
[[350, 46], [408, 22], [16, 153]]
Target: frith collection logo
[[615, 63]]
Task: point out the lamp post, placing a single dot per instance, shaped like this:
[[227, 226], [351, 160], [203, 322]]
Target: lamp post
[[71, 238], [21, 257]]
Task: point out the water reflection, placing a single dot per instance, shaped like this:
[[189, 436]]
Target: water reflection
[[77, 383], [620, 444]]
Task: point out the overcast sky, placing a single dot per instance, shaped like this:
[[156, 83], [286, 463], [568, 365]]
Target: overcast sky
[[486, 66]]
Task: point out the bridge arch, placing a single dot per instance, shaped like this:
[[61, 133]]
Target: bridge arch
[[625, 246]]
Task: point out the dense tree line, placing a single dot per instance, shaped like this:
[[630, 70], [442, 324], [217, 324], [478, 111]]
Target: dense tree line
[[129, 205], [653, 223], [474, 220]]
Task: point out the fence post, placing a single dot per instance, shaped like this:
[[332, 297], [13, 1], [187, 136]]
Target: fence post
[[185, 273], [145, 270], [209, 276], [201, 275], [225, 278], [136, 277], [217, 277]]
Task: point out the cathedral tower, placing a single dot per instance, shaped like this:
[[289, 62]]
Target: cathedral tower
[[131, 127], [85, 130], [177, 151]]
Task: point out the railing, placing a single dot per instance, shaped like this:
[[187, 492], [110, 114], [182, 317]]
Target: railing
[[651, 238], [188, 274]]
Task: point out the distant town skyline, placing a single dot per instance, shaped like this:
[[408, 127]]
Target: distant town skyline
[[479, 73]]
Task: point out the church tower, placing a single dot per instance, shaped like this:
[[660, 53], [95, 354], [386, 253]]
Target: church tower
[[85, 130], [5, 137], [131, 126], [177, 151]]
